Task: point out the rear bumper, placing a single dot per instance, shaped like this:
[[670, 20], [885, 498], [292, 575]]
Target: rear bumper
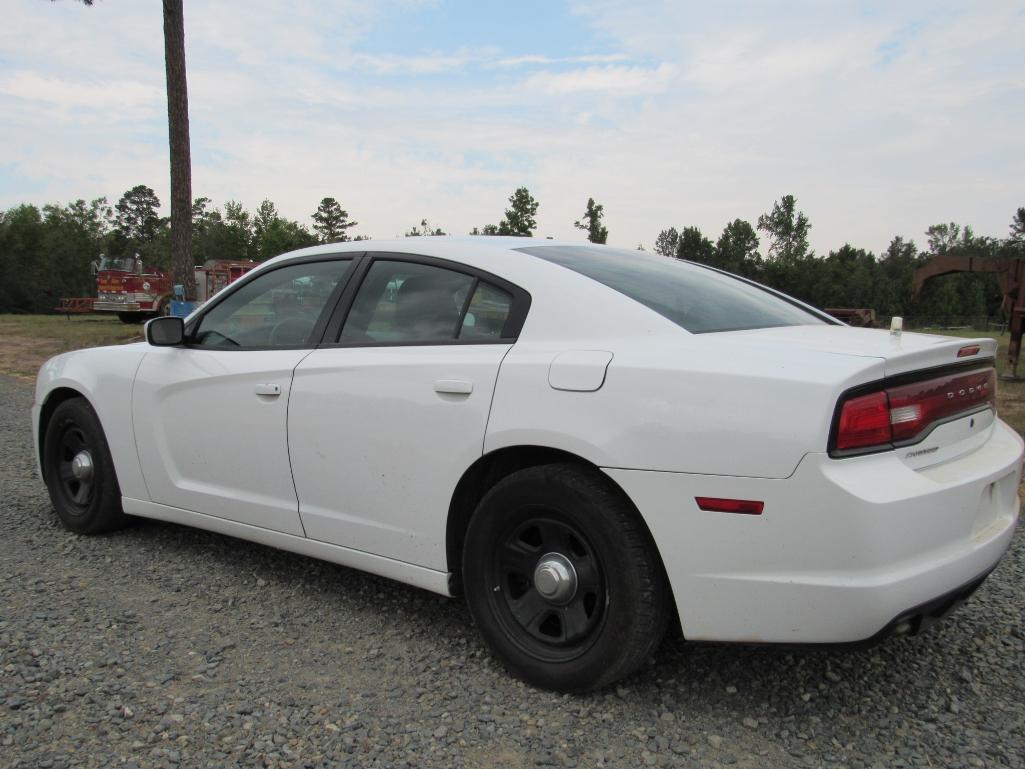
[[845, 550], [920, 618]]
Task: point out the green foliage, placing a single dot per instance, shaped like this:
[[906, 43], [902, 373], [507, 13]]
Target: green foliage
[[736, 250], [48, 253], [138, 220], [51, 253], [667, 242], [1018, 226], [519, 217], [239, 235], [331, 221], [787, 230], [850, 276], [281, 235], [591, 222], [695, 247], [426, 230], [945, 238]]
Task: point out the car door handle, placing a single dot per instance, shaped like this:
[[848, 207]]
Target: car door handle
[[455, 386], [272, 390]]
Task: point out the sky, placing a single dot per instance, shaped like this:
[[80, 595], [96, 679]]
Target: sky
[[880, 117]]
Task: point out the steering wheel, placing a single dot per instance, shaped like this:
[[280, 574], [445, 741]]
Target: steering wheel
[[291, 331]]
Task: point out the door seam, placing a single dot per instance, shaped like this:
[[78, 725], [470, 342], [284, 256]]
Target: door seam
[[288, 441], [491, 404]]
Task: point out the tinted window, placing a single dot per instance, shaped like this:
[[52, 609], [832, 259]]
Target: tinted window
[[403, 302], [277, 309], [693, 297], [488, 311]]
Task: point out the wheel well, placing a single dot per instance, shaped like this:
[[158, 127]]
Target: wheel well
[[475, 483], [53, 400], [482, 475]]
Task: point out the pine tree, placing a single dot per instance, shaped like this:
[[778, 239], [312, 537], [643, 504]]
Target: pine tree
[[331, 221], [519, 217], [591, 222]]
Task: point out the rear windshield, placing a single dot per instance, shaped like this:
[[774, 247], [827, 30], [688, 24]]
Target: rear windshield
[[695, 298]]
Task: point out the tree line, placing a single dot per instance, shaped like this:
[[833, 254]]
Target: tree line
[[851, 276], [50, 252]]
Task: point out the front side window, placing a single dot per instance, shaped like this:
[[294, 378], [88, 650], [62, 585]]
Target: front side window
[[277, 309], [695, 298]]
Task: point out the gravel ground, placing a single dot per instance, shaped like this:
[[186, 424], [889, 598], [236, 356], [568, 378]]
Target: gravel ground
[[161, 646]]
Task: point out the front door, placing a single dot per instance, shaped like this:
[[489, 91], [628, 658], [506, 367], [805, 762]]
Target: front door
[[210, 417]]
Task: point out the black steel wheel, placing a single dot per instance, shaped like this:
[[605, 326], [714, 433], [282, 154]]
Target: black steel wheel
[[551, 587], [562, 578], [78, 470], [76, 478]]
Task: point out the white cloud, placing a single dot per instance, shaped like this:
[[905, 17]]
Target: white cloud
[[628, 81], [880, 121], [537, 59], [68, 93]]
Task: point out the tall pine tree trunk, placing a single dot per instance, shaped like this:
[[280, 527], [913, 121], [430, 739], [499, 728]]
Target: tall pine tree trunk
[[181, 160]]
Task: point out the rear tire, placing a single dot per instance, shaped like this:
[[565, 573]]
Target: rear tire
[[79, 472], [601, 610]]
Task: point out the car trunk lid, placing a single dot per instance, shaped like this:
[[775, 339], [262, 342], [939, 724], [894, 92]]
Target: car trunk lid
[[901, 353], [925, 359]]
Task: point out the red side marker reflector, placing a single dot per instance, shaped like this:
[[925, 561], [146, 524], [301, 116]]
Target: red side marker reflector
[[717, 505], [964, 352]]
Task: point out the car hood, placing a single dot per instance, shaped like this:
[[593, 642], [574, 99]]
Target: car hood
[[900, 354]]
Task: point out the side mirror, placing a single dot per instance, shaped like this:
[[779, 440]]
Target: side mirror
[[167, 331]]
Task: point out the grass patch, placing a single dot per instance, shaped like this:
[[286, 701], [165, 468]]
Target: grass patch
[[26, 341]]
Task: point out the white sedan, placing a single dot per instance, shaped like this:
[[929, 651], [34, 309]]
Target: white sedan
[[589, 443]]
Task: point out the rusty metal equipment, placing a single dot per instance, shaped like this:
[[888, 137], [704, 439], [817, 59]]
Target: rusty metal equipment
[[859, 317], [1010, 274]]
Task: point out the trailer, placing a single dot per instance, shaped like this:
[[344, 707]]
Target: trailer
[[1010, 273]]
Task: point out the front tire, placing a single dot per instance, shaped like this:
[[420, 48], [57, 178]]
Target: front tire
[[79, 472], [563, 580], [131, 317]]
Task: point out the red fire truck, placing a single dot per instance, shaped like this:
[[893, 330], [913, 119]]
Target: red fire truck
[[137, 292], [133, 290]]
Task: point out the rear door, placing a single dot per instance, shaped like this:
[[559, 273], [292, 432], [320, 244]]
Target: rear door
[[389, 412], [210, 417]]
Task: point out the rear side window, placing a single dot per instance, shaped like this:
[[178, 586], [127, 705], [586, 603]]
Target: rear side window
[[406, 302], [403, 302], [488, 311], [695, 298]]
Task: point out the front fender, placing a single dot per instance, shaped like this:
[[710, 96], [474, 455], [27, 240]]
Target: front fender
[[104, 376]]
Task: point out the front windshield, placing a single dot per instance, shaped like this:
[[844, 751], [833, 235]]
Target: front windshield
[[118, 264]]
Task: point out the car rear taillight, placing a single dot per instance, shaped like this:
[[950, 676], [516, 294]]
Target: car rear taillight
[[903, 414], [864, 421]]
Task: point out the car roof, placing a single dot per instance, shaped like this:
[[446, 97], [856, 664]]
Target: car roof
[[442, 246], [564, 302]]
